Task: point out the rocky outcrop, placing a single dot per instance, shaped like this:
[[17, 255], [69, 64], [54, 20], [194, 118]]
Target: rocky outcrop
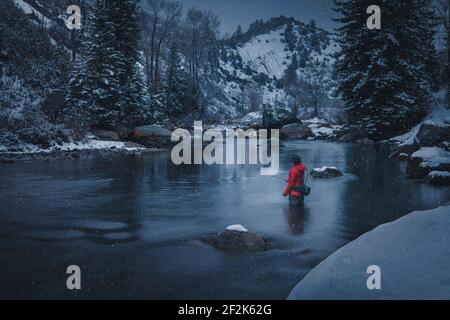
[[238, 240], [326, 173], [296, 131], [431, 134]]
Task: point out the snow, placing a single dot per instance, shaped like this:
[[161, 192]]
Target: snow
[[431, 154], [88, 144], [237, 227], [323, 169], [413, 254], [442, 174], [265, 53], [29, 10], [322, 131]]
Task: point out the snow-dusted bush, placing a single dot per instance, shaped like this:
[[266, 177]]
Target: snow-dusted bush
[[21, 118]]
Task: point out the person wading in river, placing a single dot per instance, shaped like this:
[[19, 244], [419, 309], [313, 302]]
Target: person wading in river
[[296, 180]]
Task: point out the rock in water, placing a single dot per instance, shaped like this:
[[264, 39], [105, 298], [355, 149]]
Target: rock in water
[[326, 172], [238, 241], [438, 178], [297, 131], [426, 160], [407, 149]]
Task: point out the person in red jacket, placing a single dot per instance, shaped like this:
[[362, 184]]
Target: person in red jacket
[[296, 179]]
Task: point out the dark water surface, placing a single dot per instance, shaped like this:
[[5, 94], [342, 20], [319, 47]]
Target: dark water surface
[[133, 223]]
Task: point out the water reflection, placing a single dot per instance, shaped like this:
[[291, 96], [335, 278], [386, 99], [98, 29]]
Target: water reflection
[[296, 218]]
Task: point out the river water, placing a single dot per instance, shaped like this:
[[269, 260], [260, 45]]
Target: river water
[[134, 223]]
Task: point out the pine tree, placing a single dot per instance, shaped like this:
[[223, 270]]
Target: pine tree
[[106, 84], [176, 84], [126, 32], [290, 37], [290, 74], [94, 88], [385, 75]]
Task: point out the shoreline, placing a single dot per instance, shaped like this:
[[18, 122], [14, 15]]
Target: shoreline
[[45, 155]]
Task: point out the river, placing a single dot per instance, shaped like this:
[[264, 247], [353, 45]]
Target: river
[[133, 223]]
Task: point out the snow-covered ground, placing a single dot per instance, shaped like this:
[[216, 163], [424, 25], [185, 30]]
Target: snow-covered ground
[[413, 254], [88, 144]]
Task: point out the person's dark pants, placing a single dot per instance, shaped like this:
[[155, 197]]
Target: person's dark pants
[[296, 201]]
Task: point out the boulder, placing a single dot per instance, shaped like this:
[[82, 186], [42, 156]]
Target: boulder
[[403, 156], [122, 132], [53, 105], [438, 178], [297, 131], [326, 172], [152, 130], [407, 149], [238, 239], [426, 160], [431, 134], [353, 135], [104, 135]]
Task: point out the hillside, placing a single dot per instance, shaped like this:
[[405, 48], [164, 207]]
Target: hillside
[[257, 66]]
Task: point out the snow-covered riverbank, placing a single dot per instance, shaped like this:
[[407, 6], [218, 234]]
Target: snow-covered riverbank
[[412, 252], [71, 150]]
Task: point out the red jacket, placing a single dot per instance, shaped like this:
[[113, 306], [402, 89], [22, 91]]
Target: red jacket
[[296, 179]]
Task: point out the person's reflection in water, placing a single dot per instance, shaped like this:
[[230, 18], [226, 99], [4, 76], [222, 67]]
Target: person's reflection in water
[[296, 216]]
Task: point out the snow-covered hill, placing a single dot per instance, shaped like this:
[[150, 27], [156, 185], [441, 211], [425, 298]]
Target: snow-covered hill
[[254, 65]]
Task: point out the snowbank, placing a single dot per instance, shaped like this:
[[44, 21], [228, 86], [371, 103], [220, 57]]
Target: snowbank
[[88, 144], [412, 252]]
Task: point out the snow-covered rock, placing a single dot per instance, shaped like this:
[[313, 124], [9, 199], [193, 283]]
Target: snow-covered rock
[[439, 178], [431, 134], [326, 172], [426, 160], [413, 254]]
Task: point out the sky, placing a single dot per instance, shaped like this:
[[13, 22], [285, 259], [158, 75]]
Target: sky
[[243, 12]]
